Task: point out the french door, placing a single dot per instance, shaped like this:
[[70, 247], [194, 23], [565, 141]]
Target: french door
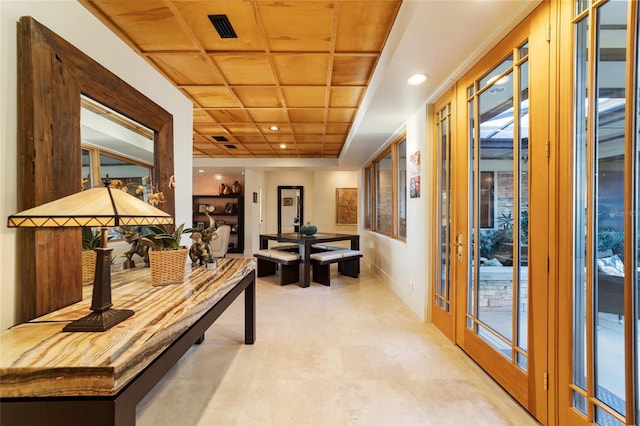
[[600, 249], [496, 244]]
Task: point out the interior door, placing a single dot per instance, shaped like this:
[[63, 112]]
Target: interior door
[[500, 189]]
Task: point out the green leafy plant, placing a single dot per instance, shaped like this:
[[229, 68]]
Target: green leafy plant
[[505, 220], [610, 239], [162, 239], [488, 242], [90, 238], [524, 225]]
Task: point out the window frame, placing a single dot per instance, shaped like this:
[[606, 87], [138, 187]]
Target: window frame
[[371, 189]]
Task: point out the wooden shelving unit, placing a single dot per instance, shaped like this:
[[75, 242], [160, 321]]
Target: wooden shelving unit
[[227, 209]]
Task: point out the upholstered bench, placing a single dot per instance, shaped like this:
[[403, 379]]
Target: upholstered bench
[[269, 259], [348, 264]]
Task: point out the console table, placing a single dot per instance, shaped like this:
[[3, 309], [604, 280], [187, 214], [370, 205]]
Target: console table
[[51, 377]]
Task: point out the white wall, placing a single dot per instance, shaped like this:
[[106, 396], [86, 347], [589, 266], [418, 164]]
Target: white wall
[[270, 195], [255, 181], [326, 183], [405, 266], [319, 197], [75, 24]]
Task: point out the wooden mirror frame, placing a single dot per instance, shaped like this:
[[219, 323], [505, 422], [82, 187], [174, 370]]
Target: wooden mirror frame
[[52, 74], [282, 187]]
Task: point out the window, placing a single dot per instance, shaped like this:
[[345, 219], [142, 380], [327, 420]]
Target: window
[[402, 189], [383, 193], [386, 191], [368, 197]]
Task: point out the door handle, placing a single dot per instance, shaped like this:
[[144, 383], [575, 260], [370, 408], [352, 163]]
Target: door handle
[[459, 247]]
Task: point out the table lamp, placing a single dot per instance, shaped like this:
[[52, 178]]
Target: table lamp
[[102, 207]]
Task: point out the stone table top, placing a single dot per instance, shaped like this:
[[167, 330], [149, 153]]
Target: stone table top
[[38, 359]]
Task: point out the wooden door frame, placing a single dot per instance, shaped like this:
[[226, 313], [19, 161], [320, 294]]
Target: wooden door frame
[[532, 393]]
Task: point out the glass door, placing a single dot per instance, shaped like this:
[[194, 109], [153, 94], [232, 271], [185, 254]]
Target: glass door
[[442, 313], [501, 177], [602, 306], [497, 309]]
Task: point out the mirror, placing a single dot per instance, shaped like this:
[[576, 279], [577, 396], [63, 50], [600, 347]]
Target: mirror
[[290, 208], [52, 77], [115, 146]]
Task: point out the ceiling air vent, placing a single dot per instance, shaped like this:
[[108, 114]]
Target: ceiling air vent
[[220, 139], [230, 146], [223, 26]]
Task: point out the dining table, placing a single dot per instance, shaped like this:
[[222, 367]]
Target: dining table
[[305, 243]]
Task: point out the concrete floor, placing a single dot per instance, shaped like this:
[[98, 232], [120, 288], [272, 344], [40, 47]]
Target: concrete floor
[[349, 354]]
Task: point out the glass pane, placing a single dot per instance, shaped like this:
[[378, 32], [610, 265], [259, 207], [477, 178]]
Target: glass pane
[[579, 402], [609, 204], [86, 170], [367, 197], [492, 76], [442, 289], [581, 5], [523, 50], [384, 189], [473, 266], [402, 189], [131, 175], [495, 279], [580, 208], [523, 223]]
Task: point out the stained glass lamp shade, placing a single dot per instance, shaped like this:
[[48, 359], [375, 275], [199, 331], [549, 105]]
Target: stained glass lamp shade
[[96, 207]]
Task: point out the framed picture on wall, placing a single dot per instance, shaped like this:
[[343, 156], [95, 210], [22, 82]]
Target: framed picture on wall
[[346, 206]]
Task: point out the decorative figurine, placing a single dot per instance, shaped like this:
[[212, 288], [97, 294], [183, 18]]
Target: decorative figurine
[[235, 188], [209, 234], [139, 246], [198, 251], [222, 188]]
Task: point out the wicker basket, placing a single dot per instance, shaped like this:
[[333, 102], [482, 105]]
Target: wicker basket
[[167, 266], [88, 266]]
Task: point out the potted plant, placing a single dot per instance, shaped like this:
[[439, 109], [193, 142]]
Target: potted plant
[[167, 258], [90, 240]]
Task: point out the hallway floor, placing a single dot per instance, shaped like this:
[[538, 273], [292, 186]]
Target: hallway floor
[[349, 354]]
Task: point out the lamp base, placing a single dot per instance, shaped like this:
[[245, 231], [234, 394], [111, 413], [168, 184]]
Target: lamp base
[[99, 321]]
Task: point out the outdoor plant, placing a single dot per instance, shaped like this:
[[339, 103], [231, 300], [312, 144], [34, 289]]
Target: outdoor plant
[[488, 243], [611, 239]]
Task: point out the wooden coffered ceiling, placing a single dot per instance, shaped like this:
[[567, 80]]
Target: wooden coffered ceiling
[[302, 66]]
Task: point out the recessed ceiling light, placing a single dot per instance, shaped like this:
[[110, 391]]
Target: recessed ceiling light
[[283, 146], [499, 80], [274, 128], [417, 79], [201, 171]]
